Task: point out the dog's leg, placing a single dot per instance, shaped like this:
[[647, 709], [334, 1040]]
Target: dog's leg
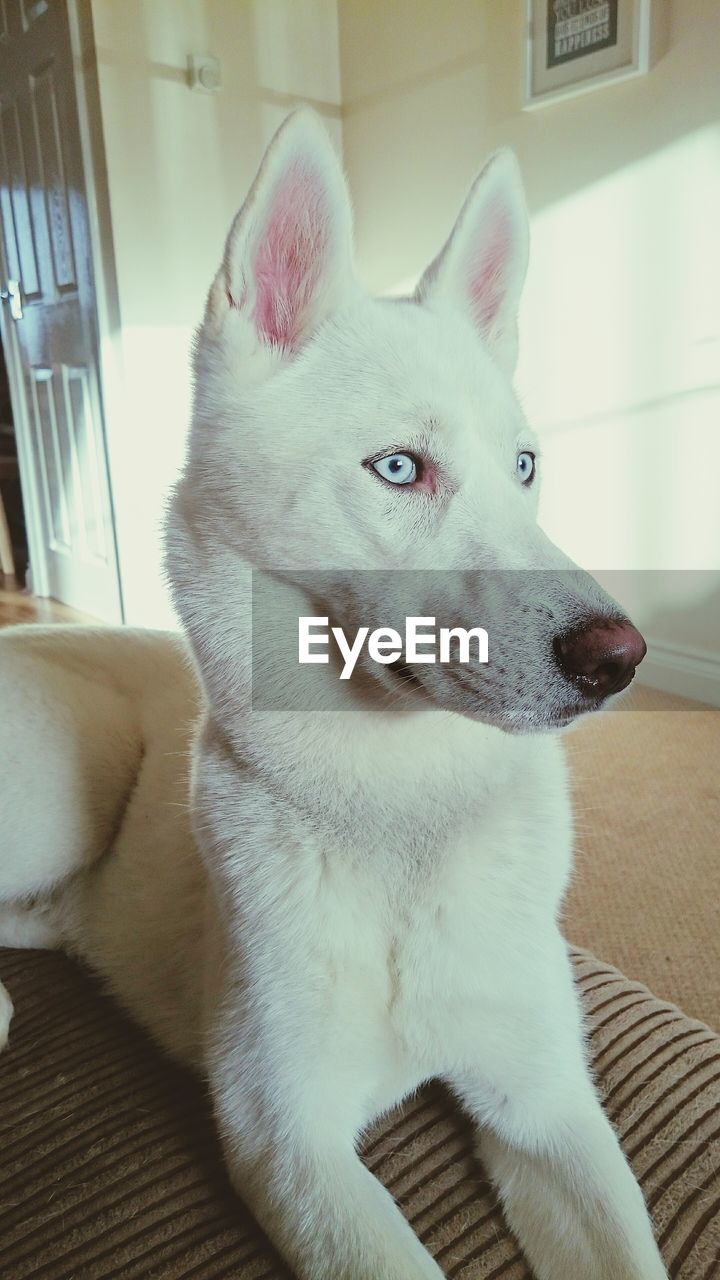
[[570, 1197], [289, 1067], [567, 1190], [300, 1175], [328, 1216], [6, 1013]]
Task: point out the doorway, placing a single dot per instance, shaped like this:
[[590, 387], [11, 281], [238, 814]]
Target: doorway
[[48, 319]]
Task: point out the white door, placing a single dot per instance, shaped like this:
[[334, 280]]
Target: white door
[[49, 323]]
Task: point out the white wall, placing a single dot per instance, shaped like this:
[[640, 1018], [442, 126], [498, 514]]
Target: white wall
[[179, 164], [620, 330]]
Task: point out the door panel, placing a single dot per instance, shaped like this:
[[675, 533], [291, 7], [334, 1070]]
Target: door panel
[[18, 232], [52, 178], [46, 245]]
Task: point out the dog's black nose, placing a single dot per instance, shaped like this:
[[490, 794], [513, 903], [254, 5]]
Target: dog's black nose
[[601, 656]]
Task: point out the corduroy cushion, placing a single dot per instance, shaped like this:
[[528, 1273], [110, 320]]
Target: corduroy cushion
[[109, 1167]]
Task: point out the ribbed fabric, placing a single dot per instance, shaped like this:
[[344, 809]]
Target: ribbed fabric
[[110, 1170]]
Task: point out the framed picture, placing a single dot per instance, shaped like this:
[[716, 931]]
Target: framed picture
[[573, 46]]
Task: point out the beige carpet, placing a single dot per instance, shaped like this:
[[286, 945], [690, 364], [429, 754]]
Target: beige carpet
[[646, 893]]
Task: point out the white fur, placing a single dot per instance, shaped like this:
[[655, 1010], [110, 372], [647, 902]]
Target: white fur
[[341, 905]]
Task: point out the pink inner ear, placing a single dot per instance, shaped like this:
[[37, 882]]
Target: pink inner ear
[[488, 268], [291, 255]]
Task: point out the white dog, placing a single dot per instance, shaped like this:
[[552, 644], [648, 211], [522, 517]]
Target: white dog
[[358, 899]]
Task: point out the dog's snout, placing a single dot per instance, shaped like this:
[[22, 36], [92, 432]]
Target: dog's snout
[[601, 656]]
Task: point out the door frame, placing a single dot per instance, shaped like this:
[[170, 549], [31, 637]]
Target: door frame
[[107, 310], [102, 249]]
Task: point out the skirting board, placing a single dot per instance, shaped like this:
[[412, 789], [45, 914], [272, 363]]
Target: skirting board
[[683, 671]]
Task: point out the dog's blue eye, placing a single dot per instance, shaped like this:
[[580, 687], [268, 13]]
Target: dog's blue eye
[[398, 468], [526, 466]]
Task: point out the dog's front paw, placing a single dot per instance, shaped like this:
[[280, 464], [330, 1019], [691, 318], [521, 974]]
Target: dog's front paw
[[6, 1013]]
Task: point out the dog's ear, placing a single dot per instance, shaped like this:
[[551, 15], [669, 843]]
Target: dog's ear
[[288, 257], [483, 263]]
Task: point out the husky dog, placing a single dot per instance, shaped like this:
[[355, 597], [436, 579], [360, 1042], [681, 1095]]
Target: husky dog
[[354, 901]]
